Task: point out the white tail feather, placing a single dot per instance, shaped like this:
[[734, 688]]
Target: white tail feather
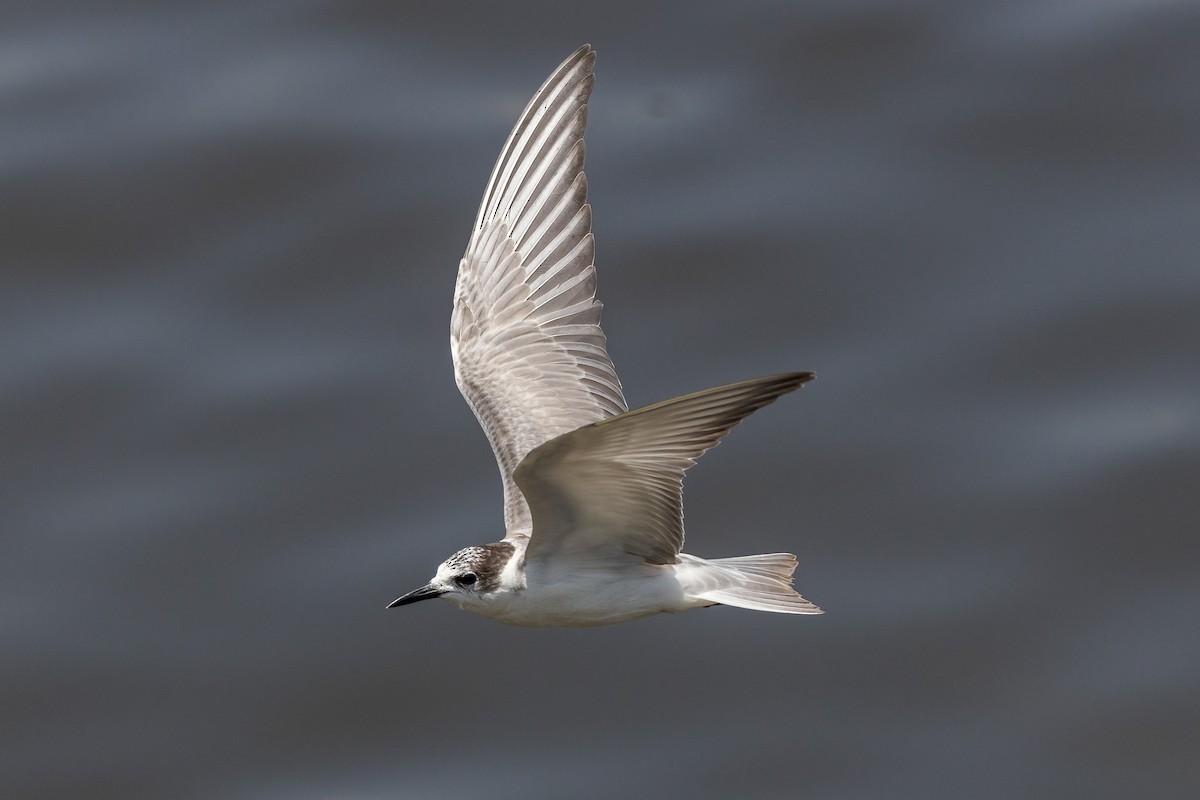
[[759, 583]]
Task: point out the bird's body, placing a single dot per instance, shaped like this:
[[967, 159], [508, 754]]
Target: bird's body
[[593, 492], [576, 593]]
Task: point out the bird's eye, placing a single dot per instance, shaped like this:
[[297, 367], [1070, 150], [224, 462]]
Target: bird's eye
[[467, 578]]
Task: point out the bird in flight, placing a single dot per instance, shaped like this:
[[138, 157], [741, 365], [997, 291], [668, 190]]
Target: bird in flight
[[593, 492]]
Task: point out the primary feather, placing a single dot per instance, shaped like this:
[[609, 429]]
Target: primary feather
[[529, 355]]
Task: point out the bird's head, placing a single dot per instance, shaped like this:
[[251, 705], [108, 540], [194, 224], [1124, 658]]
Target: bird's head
[[469, 576]]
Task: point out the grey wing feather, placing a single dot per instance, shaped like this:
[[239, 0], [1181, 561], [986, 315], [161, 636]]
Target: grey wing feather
[[529, 355], [616, 486]]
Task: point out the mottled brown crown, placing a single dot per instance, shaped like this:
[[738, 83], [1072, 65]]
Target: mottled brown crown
[[487, 561]]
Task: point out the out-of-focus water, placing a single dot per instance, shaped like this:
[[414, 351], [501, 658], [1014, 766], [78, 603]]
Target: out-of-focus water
[[230, 434]]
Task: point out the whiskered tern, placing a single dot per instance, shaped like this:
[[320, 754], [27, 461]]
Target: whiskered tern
[[593, 492]]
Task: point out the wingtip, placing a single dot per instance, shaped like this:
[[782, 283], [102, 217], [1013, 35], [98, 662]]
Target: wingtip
[[584, 52], [787, 381]]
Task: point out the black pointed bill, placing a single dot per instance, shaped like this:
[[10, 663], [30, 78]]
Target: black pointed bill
[[427, 592]]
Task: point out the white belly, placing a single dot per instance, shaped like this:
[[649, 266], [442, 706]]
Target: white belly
[[584, 597]]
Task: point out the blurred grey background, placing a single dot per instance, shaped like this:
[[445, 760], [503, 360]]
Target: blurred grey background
[[230, 433]]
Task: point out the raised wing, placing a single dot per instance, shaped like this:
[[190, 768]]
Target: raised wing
[[529, 355], [616, 486]]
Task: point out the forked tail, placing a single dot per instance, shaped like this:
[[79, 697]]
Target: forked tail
[[760, 583]]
